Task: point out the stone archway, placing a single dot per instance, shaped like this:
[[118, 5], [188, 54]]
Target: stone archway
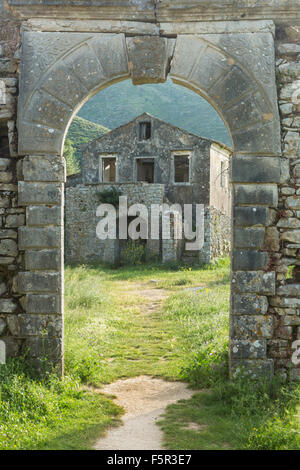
[[235, 72]]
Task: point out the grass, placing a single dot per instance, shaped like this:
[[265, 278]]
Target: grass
[[49, 414], [111, 333], [108, 336]]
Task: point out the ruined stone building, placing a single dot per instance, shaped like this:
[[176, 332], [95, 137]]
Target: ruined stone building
[[150, 162]]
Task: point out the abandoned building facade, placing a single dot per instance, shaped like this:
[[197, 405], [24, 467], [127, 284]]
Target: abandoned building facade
[[150, 162], [243, 57]]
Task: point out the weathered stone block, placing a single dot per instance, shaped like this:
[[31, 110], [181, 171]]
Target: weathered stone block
[[35, 325], [293, 202], [249, 304], [291, 320], [7, 233], [39, 282], [255, 170], [249, 260], [36, 237], [256, 282], [288, 49], [43, 260], [47, 111], [288, 222], [51, 348], [290, 290], [4, 200], [148, 58], [271, 242], [266, 194], [6, 177], [292, 236], [44, 215], [248, 349], [283, 302], [248, 237], [44, 168], [7, 306], [278, 348], [255, 368], [43, 303], [39, 193], [15, 220], [253, 216], [8, 247], [254, 326]]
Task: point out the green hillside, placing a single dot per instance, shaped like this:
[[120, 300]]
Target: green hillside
[[80, 132], [122, 102]]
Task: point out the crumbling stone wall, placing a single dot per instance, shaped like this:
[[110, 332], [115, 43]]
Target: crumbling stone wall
[[11, 215], [220, 233], [81, 202], [285, 238]]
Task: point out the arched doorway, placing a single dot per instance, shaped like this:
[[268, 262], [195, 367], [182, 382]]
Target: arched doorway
[[60, 71]]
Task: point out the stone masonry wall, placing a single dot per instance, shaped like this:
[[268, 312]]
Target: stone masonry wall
[[285, 238], [220, 233], [81, 202], [11, 215]]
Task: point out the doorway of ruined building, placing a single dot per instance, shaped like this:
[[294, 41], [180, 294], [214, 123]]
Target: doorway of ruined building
[[56, 81]]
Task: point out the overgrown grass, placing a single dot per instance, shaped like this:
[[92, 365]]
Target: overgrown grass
[[111, 333], [115, 337], [49, 413]]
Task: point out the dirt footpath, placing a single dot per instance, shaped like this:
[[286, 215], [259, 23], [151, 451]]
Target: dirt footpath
[[145, 400]]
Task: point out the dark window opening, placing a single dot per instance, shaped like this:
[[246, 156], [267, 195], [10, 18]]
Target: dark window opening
[[109, 170], [4, 143], [181, 168], [145, 170], [145, 130]]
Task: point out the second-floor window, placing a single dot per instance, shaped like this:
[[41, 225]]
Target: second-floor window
[[145, 130], [181, 168]]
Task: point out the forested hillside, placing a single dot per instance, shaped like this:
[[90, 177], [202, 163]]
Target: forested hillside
[[122, 102]]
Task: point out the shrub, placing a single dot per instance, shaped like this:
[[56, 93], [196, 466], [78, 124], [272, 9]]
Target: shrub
[[133, 253], [110, 196], [208, 366]]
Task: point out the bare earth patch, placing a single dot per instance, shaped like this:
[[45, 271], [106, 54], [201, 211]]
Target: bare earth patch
[[196, 427], [153, 297], [144, 400]]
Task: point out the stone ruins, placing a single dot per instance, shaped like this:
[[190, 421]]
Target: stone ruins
[[150, 162], [243, 57]]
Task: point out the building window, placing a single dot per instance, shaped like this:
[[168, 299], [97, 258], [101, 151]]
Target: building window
[[181, 168], [223, 174], [145, 170], [145, 130], [109, 169]]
